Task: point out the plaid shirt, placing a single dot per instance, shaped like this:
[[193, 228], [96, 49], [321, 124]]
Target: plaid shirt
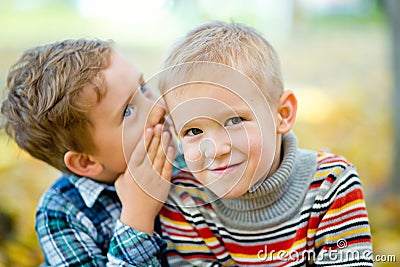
[[77, 223]]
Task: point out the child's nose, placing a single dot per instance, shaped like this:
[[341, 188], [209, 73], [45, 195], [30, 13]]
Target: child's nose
[[217, 144]]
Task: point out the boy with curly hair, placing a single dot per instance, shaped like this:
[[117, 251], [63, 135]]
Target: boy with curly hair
[[82, 107]]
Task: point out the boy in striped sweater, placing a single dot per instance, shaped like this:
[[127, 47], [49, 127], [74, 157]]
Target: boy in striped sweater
[[251, 197]]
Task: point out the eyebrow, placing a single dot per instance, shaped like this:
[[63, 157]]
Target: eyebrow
[[236, 111], [141, 79], [129, 99]]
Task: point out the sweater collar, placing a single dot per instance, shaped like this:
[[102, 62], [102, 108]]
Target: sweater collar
[[277, 198]]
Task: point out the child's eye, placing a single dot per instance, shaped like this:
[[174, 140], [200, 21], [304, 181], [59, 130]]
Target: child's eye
[[143, 88], [193, 131], [233, 121], [128, 111]]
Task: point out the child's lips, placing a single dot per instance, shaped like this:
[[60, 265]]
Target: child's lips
[[224, 169]]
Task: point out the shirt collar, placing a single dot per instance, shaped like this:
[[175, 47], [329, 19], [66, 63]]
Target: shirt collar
[[89, 189]]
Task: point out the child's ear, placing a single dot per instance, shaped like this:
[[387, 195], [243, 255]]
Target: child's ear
[[82, 164], [287, 110]]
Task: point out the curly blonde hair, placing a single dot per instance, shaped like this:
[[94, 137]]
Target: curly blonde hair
[[45, 108], [232, 44]]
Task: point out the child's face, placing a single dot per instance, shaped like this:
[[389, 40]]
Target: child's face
[[228, 136], [121, 116]]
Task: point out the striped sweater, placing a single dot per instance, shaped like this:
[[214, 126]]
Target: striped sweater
[[311, 212]]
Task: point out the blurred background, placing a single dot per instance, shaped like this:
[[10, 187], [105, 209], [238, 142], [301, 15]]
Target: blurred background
[[339, 56]]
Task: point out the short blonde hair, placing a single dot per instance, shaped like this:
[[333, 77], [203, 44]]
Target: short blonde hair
[[235, 45], [45, 109]]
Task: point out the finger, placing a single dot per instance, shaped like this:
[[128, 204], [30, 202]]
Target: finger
[[156, 115], [166, 172], [118, 181], [159, 160], [166, 175], [154, 143], [140, 151]]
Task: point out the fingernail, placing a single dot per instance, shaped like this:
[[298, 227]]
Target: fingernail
[[158, 127], [165, 135]]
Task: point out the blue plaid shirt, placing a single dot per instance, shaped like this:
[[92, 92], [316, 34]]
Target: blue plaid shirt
[[77, 223]]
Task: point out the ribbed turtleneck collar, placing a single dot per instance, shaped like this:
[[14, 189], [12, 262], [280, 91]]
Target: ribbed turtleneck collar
[[277, 198]]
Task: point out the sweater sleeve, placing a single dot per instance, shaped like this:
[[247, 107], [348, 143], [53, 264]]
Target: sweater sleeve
[[342, 236], [134, 247]]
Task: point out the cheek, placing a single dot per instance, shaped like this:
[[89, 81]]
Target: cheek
[[131, 136], [266, 153], [261, 141], [261, 150], [255, 150], [269, 144], [248, 140]]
